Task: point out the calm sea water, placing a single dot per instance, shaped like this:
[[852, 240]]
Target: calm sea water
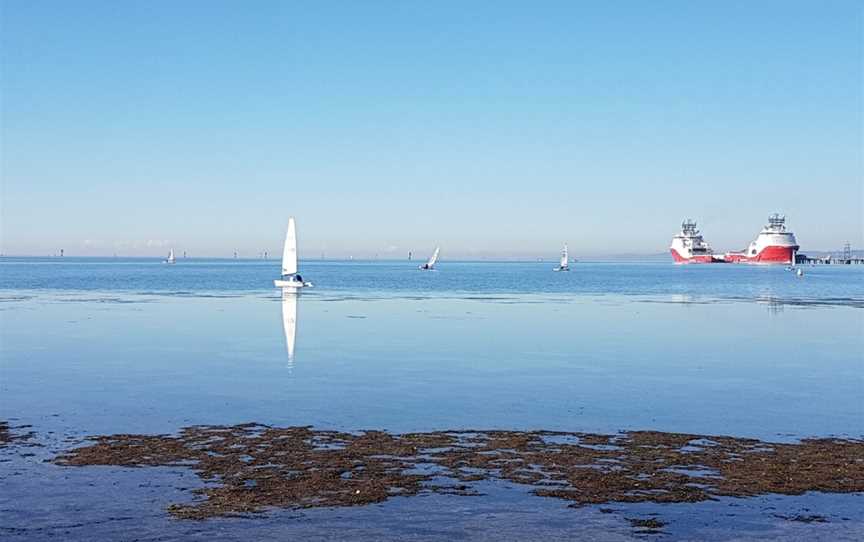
[[743, 350], [387, 278], [93, 346]]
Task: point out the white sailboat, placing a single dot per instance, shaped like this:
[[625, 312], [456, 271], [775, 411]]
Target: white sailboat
[[430, 264], [289, 319], [290, 278], [564, 264], [171, 258]]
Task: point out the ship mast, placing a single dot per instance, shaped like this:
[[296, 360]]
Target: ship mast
[[777, 222], [688, 227]]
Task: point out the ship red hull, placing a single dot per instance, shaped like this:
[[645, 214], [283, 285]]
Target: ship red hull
[[768, 255]]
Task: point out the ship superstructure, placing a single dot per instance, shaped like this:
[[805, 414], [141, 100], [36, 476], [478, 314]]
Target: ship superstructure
[[689, 247], [773, 245]]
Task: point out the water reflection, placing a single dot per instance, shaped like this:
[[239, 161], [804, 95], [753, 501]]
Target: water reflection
[[775, 305], [289, 320]]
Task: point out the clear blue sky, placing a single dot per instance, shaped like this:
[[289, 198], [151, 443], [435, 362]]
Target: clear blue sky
[[491, 128]]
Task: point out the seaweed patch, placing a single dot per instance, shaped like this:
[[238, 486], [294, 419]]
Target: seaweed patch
[[7, 437], [251, 467]]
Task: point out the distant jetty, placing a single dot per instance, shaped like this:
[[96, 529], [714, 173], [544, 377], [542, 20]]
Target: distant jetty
[[846, 257]]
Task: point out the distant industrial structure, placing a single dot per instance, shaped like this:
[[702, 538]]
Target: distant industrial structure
[[844, 257]]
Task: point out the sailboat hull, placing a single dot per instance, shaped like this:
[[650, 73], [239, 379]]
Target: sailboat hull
[[291, 284], [561, 269]]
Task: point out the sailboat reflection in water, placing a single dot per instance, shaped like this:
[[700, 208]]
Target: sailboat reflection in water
[[289, 320]]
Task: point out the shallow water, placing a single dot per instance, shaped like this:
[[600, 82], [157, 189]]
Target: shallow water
[[104, 346]]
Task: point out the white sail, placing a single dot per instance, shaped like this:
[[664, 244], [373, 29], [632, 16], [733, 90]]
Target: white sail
[[565, 259], [289, 319], [289, 251], [433, 259], [171, 256]]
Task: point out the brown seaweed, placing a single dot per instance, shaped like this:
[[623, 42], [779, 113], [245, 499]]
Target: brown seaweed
[[7, 437], [250, 468]]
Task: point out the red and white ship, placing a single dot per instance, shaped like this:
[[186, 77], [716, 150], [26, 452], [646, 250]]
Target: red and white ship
[[773, 245], [689, 247]]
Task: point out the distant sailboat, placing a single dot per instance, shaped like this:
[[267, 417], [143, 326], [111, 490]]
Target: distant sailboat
[[430, 264], [171, 258], [289, 319], [290, 278], [564, 264]]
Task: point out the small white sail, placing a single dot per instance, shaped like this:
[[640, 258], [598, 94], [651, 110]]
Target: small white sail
[[564, 262], [289, 319], [170, 256], [290, 278], [289, 250], [433, 259]]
